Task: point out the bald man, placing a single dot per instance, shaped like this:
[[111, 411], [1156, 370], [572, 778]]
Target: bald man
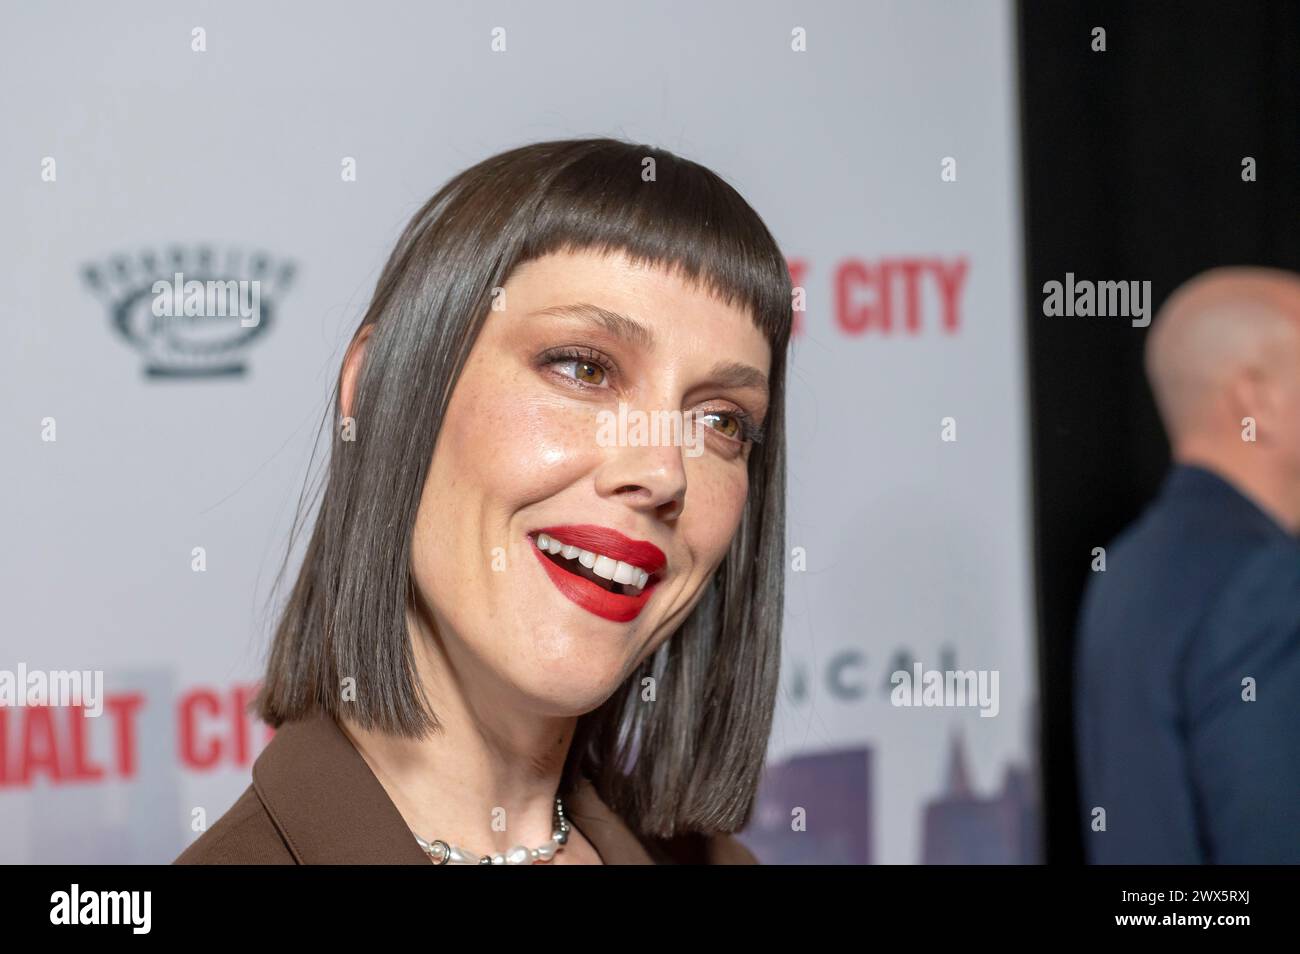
[[1187, 669]]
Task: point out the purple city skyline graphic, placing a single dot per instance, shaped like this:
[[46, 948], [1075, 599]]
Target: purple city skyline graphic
[[834, 790], [961, 827]]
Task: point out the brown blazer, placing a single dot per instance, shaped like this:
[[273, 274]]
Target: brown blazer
[[314, 800]]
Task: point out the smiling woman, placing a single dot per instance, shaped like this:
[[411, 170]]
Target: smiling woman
[[513, 639]]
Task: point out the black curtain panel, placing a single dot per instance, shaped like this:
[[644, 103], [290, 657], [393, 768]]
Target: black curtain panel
[[1133, 170]]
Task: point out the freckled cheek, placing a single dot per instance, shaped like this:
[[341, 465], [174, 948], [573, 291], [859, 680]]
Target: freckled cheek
[[524, 448], [499, 451], [715, 502]]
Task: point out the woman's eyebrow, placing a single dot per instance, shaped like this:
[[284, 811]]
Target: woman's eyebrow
[[725, 374], [733, 374], [620, 326]]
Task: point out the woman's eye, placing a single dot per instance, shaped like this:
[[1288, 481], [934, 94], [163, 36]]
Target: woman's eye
[[728, 425], [588, 372]]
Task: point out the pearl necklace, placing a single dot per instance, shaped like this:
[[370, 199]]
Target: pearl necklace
[[442, 853]]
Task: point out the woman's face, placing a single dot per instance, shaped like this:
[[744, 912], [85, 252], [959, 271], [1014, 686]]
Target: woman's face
[[607, 406]]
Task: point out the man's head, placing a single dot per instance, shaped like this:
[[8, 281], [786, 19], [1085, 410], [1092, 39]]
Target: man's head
[[1223, 358]]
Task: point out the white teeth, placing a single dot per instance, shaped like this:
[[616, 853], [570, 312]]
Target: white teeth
[[604, 567]]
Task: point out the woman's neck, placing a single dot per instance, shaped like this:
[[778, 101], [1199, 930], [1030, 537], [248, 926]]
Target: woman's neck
[[487, 778]]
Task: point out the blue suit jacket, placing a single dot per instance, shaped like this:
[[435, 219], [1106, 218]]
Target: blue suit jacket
[[1201, 593]]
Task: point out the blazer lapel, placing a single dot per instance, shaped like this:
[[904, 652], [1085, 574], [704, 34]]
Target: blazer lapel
[[327, 804], [330, 809]]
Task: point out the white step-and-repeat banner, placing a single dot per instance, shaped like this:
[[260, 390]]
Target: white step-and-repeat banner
[[879, 142]]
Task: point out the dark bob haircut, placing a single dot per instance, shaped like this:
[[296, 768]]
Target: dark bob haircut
[[690, 761]]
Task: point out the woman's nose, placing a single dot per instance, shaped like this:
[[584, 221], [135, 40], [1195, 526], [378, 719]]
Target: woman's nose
[[651, 478]]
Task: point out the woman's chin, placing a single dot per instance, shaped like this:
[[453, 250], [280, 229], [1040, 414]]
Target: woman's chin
[[566, 700], [568, 682]]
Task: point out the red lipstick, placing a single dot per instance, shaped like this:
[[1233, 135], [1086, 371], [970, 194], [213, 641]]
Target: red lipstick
[[639, 553], [593, 597]]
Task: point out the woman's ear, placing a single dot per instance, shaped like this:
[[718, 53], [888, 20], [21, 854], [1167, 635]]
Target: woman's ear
[[353, 362]]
